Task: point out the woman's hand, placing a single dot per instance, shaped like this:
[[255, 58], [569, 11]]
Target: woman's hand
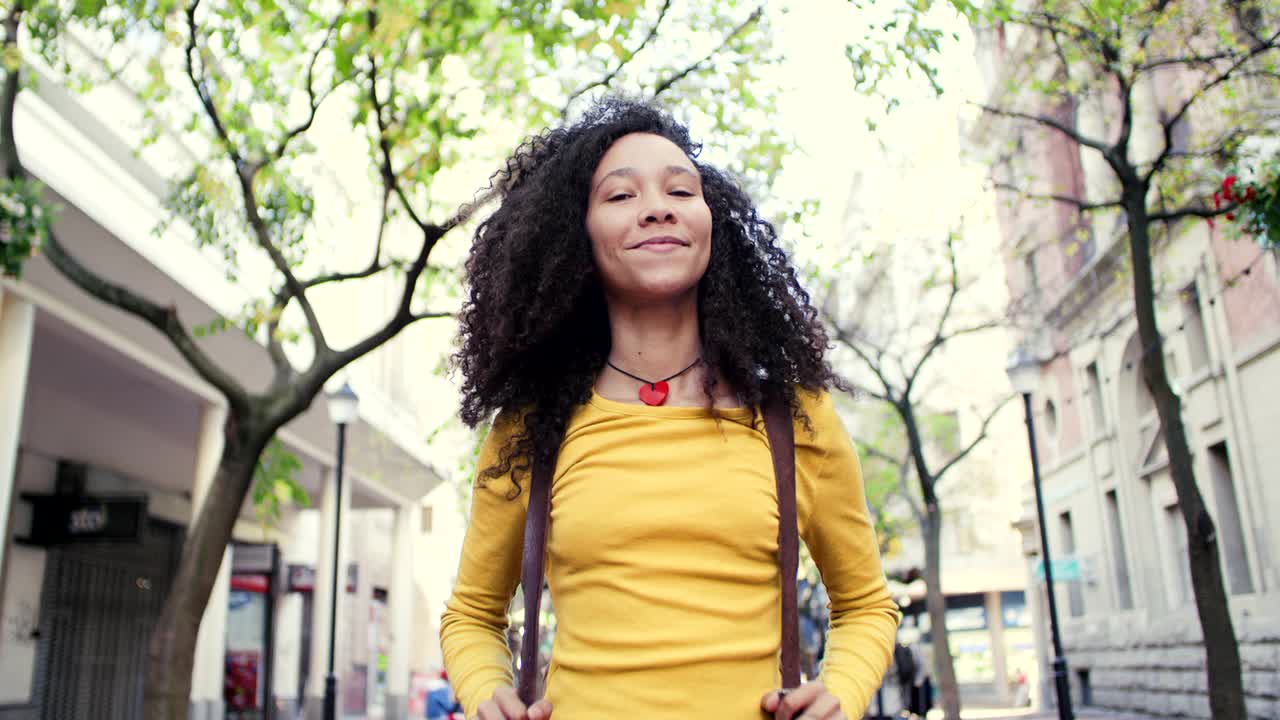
[[807, 702], [505, 705]]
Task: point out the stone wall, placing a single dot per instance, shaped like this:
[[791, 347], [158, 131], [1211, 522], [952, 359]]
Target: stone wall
[[1157, 666]]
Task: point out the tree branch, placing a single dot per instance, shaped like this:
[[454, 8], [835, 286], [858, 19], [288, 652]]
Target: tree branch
[[676, 77], [202, 92], [902, 465], [1079, 204], [849, 342], [604, 81], [1168, 125], [982, 434], [1184, 60], [375, 264], [904, 474], [245, 173], [1200, 211], [875, 452], [164, 319], [860, 389], [953, 289], [390, 180], [940, 337], [1047, 122], [312, 98]]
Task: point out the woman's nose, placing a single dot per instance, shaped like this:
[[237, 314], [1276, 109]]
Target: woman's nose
[[657, 213]]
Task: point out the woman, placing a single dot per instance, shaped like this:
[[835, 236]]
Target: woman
[[628, 313]]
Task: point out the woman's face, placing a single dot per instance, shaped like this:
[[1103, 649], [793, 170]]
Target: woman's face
[[649, 225]]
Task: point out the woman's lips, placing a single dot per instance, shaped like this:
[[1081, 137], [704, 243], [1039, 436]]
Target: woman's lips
[[661, 244]]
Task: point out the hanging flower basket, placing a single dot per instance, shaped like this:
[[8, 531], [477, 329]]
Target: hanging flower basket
[[24, 223], [1255, 206]]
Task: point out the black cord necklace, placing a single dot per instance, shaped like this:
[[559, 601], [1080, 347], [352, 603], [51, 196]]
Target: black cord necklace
[[654, 392]]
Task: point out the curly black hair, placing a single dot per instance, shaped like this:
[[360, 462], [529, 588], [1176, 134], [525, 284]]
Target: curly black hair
[[534, 329]]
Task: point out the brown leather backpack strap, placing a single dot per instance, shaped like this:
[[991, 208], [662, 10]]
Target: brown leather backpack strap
[[782, 446], [531, 573]]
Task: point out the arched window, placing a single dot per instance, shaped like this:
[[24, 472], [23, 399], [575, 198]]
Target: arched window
[[1051, 419]]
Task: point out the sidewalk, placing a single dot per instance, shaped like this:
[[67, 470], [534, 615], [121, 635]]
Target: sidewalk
[[1051, 714]]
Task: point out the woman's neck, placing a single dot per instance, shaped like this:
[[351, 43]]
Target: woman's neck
[[654, 342]]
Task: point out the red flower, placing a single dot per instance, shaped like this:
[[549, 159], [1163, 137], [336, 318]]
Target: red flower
[[1250, 194], [1226, 186], [1210, 221], [1231, 216], [1217, 200]]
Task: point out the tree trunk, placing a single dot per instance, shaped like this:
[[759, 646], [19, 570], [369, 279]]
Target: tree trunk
[[171, 654], [1222, 654], [936, 602]]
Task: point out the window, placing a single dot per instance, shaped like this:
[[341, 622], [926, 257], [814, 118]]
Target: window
[[1013, 605], [1051, 419], [1146, 403], [1094, 384], [1193, 328], [1075, 593], [1179, 568], [1033, 277], [1230, 533], [1119, 556]]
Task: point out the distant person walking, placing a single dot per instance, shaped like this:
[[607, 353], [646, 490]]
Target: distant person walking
[[914, 683], [441, 703]]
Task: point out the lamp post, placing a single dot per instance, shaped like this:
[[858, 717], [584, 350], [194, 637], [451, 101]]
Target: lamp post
[[343, 405], [1024, 375]]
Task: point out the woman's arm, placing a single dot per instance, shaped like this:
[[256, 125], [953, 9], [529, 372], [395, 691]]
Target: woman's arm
[[473, 627], [837, 528]]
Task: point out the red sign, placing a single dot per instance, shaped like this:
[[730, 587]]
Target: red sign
[[240, 683]]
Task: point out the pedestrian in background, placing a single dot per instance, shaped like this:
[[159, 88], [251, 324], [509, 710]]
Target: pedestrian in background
[[629, 316], [441, 703]]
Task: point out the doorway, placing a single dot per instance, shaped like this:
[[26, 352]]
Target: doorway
[[99, 605]]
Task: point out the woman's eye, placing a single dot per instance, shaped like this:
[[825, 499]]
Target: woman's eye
[[682, 193], [617, 196]]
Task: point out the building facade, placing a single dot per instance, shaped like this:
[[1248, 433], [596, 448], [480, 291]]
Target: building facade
[[1129, 623]]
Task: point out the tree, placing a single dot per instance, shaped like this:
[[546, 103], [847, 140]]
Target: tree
[[427, 85], [1194, 73], [894, 355]]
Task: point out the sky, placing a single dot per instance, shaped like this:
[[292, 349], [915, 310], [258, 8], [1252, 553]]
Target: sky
[[910, 164]]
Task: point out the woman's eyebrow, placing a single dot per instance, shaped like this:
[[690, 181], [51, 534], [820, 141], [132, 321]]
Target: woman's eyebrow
[[631, 172]]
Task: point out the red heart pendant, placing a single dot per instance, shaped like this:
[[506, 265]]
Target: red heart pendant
[[655, 394]]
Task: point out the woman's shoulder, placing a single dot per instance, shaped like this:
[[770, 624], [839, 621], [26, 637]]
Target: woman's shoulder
[[818, 427], [817, 405]]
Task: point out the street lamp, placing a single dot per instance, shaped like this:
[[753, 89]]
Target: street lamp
[[343, 405], [1024, 376]]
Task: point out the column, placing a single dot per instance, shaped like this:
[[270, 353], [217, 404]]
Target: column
[[1042, 691], [355, 620], [322, 596], [400, 605], [17, 325], [999, 663], [211, 642]]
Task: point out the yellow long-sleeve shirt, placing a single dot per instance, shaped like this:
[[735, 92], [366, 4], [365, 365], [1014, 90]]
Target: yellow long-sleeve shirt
[[662, 565]]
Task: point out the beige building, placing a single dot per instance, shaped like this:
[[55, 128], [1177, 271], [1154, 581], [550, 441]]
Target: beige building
[[1129, 624]]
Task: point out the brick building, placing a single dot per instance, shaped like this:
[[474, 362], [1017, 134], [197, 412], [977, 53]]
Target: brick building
[[1129, 622]]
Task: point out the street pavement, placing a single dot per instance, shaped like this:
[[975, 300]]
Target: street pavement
[[1051, 714]]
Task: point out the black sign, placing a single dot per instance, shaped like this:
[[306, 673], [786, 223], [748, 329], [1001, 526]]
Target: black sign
[[302, 578], [59, 519]]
